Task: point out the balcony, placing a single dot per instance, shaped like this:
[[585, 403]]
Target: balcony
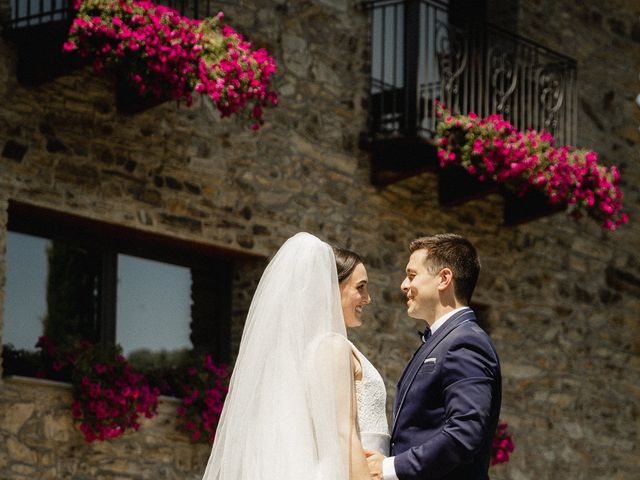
[[39, 28], [423, 53]]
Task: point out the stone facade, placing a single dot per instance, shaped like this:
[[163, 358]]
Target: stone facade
[[39, 440], [560, 299]]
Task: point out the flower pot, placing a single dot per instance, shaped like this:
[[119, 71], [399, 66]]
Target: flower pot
[[396, 159], [457, 186], [129, 101], [532, 205]]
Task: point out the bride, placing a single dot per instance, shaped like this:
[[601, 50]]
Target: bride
[[303, 402]]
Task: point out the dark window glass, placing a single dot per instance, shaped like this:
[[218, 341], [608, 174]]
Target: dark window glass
[[51, 289], [25, 304], [153, 307], [96, 285]]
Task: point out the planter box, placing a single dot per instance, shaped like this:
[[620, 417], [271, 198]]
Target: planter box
[[531, 206], [129, 101], [396, 159], [457, 186]]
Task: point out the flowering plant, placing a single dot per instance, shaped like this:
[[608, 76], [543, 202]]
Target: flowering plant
[[502, 445], [203, 392], [109, 396], [166, 54], [491, 148]]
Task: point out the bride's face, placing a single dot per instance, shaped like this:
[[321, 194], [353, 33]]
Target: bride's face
[[354, 295]]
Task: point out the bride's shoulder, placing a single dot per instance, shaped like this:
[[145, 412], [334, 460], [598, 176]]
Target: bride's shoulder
[[332, 340], [329, 347]]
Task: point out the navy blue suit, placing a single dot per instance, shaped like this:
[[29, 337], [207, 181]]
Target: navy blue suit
[[447, 405]]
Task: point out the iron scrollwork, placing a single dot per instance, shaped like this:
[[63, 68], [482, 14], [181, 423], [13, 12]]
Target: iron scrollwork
[[551, 97], [452, 56], [502, 64]]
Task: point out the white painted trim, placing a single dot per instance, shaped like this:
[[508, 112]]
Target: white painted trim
[[43, 382], [36, 382]]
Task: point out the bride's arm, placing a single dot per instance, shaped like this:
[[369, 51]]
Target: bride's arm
[[333, 399], [358, 462]]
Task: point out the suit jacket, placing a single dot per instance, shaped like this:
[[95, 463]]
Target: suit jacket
[[447, 405]]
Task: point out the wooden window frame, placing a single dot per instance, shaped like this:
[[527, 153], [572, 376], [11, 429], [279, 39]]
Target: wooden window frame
[[114, 239]]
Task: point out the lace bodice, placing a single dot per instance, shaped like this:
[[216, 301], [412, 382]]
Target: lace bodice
[[371, 399]]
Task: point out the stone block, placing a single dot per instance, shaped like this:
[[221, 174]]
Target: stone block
[[14, 416], [14, 150], [20, 452], [20, 471], [58, 427]]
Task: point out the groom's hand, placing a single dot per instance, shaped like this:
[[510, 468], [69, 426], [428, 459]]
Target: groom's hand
[[374, 462]]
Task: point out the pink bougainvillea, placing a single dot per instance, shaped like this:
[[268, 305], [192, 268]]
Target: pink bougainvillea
[[110, 397], [491, 148], [203, 391], [168, 55], [502, 445]]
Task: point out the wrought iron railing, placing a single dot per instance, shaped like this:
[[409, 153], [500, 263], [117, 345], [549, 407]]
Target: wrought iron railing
[[195, 8], [419, 57], [31, 13]]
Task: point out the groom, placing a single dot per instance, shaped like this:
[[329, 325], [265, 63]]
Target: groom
[[448, 397]]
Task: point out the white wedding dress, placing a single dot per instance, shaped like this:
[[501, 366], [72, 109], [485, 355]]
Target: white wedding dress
[[371, 400], [290, 394]]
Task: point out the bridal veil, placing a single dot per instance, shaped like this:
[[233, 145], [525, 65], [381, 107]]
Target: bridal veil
[[289, 403]]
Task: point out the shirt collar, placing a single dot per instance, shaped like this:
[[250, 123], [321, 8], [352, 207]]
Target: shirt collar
[[438, 323]]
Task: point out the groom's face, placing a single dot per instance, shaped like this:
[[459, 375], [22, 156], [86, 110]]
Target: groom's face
[[420, 287]]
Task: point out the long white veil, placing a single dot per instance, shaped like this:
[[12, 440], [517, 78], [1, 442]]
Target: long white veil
[[284, 417]]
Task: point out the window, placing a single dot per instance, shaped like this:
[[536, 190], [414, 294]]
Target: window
[[68, 277], [417, 51], [428, 51]]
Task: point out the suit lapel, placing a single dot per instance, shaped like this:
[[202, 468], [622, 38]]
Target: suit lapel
[[409, 363], [423, 353]]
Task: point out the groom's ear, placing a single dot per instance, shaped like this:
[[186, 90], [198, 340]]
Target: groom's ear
[[445, 278]]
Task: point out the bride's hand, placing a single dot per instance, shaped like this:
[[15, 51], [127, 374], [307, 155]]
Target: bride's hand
[[374, 462]]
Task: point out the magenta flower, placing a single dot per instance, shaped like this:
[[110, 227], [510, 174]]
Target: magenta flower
[[202, 398], [491, 148], [94, 390], [171, 56], [109, 396], [502, 445]]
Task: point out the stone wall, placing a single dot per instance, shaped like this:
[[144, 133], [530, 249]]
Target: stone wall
[[561, 298], [571, 367], [39, 440], [246, 275]]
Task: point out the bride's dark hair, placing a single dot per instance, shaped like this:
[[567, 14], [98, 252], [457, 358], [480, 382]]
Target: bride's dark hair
[[346, 261]]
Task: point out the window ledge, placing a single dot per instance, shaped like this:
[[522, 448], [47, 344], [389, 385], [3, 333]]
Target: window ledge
[[43, 382], [36, 382]]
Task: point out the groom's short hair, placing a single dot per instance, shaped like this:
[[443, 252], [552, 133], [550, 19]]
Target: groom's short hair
[[448, 250]]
